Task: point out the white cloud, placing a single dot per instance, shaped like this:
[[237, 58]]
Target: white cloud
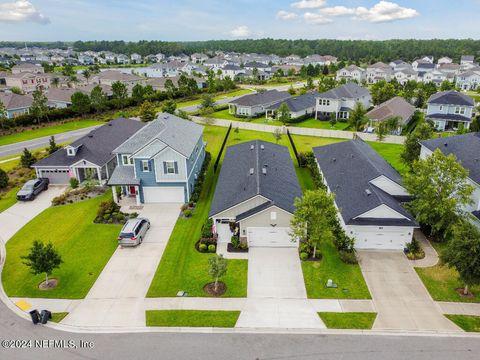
[[21, 11], [309, 4], [285, 15], [337, 11], [241, 31], [385, 11], [316, 18]]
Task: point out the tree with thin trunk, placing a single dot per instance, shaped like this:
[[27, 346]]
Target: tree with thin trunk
[[381, 130], [39, 107], [333, 119], [277, 134], [52, 145], [42, 259], [463, 253], [283, 113], [218, 268], [87, 74], [358, 118]]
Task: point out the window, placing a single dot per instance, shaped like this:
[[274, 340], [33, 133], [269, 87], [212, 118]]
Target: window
[[145, 166], [169, 167], [127, 160], [70, 151], [459, 110], [273, 216], [441, 108]]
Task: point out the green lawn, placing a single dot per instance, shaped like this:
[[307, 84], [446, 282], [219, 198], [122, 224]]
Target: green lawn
[[8, 199], [85, 248], [349, 278], [238, 92], [57, 317], [391, 153], [192, 318], [304, 178], [317, 124], [47, 131], [468, 323], [352, 320]]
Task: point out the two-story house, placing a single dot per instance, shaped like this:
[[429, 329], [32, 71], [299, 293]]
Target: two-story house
[[469, 80], [161, 162], [449, 109], [350, 73], [28, 82], [379, 71], [341, 101], [467, 149]]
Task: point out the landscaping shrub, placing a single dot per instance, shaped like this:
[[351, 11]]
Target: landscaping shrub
[[202, 247], [3, 179], [311, 164], [235, 241], [201, 177], [74, 182], [413, 246], [27, 159], [109, 212], [303, 256], [207, 229], [212, 248], [187, 213], [302, 159], [348, 257]]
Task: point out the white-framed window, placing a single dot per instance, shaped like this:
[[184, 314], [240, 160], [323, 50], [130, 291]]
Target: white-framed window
[[70, 151], [441, 108], [145, 166], [459, 110], [273, 216], [169, 167], [126, 160]]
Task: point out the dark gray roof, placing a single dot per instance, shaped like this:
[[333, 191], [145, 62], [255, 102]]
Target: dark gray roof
[[97, 146], [123, 175], [425, 65], [465, 147], [453, 117], [451, 97], [349, 91], [298, 103], [348, 168], [256, 64], [262, 98], [235, 184], [467, 58]]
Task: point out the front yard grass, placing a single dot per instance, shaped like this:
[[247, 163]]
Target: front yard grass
[[8, 199], [85, 248], [192, 318], [348, 320], [57, 317], [469, 323]]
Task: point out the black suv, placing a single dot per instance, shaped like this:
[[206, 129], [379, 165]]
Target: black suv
[[32, 188]]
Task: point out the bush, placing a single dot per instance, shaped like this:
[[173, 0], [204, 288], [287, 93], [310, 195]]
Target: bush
[[200, 179], [348, 257], [207, 229], [202, 247], [184, 207], [303, 256], [27, 159], [3, 179], [187, 213], [413, 246], [235, 241], [74, 182], [212, 248]]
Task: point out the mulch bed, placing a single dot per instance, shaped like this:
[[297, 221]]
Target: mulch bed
[[210, 289], [52, 283], [460, 292], [233, 249], [207, 242]]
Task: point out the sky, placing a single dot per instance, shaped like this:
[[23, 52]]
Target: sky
[[187, 20]]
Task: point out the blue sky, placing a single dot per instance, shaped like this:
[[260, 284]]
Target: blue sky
[[46, 20]]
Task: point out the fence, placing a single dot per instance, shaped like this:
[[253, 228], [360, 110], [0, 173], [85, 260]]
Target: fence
[[293, 147], [217, 161]]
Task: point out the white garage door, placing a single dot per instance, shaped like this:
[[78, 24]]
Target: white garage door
[[56, 176], [382, 239], [269, 237], [163, 195]]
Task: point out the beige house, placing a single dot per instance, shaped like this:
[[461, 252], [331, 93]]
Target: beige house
[[28, 82]]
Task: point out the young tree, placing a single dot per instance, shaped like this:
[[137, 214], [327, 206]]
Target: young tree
[[42, 259], [381, 130], [358, 118], [217, 268], [27, 159], [291, 90], [80, 103], [138, 93], [283, 113], [3, 116], [393, 123], [333, 119], [3, 179], [39, 108], [52, 145], [169, 106], [412, 147], [277, 134], [463, 253], [207, 102], [170, 88], [147, 111], [98, 99], [87, 74], [440, 190], [119, 93], [313, 218], [55, 82]]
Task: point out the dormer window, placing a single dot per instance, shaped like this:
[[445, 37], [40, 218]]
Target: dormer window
[[71, 151]]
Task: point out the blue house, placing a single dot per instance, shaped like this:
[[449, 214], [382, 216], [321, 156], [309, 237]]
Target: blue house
[[160, 162]]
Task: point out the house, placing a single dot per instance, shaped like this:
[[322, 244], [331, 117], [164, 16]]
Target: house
[[398, 64], [302, 106], [436, 76], [255, 193], [404, 75], [62, 97], [90, 157], [232, 71], [254, 104], [198, 57], [257, 65], [169, 69], [444, 60], [27, 68], [468, 80], [161, 162], [16, 104], [108, 77], [286, 69], [351, 73], [341, 101], [395, 107], [158, 83], [422, 65], [86, 60], [28, 82], [136, 58], [467, 59], [215, 63], [466, 148], [368, 193], [448, 109], [379, 71]]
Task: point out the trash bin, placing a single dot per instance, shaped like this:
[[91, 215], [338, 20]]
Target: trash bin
[[45, 316], [35, 315]]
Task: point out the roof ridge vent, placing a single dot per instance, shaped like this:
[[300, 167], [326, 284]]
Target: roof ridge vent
[[252, 147], [368, 192], [252, 171], [264, 171], [262, 147]]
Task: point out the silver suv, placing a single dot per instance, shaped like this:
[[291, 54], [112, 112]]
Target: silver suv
[[133, 232]]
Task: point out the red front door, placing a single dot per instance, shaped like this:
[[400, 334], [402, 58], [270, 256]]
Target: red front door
[[132, 190]]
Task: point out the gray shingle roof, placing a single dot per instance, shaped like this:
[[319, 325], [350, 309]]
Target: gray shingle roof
[[454, 117], [16, 101], [348, 168], [123, 175], [451, 97], [262, 98], [97, 145], [235, 184], [465, 147], [349, 91], [396, 106], [179, 134], [297, 103]]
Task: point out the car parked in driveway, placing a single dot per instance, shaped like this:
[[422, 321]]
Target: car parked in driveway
[[32, 188], [133, 232]]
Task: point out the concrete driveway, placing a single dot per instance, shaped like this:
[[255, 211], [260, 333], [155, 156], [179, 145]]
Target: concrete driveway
[[19, 214], [399, 296], [276, 295], [117, 297]]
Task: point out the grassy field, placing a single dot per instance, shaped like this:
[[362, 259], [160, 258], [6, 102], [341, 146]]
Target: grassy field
[[57, 317], [317, 124], [192, 318], [85, 248], [466, 322], [353, 320], [391, 153], [234, 93], [8, 199], [47, 131]]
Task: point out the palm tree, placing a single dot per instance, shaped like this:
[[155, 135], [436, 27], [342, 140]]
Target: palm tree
[[87, 74], [55, 82]]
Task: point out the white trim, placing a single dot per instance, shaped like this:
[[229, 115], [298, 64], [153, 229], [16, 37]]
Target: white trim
[[262, 211], [193, 166], [381, 205], [231, 207], [166, 162], [143, 166]]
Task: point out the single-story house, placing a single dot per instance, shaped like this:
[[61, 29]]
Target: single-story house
[[368, 193], [161, 162], [395, 107], [16, 104], [62, 97], [256, 104], [90, 157], [255, 194], [299, 106], [467, 150]]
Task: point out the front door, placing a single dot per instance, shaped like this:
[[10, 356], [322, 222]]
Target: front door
[[132, 191]]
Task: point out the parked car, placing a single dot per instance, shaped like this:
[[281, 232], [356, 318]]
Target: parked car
[[133, 232], [32, 188]]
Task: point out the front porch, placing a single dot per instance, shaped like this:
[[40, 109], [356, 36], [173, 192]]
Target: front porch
[[125, 187]]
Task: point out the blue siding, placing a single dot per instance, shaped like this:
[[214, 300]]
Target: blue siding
[[146, 178], [198, 166]]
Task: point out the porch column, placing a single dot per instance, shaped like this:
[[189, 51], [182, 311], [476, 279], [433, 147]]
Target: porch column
[[114, 192], [99, 173], [137, 195]]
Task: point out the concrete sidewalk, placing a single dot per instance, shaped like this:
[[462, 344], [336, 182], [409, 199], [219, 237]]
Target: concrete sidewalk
[[431, 256]]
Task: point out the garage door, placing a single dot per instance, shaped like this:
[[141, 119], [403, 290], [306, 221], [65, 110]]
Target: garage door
[[382, 239], [55, 176], [163, 195], [269, 237]]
